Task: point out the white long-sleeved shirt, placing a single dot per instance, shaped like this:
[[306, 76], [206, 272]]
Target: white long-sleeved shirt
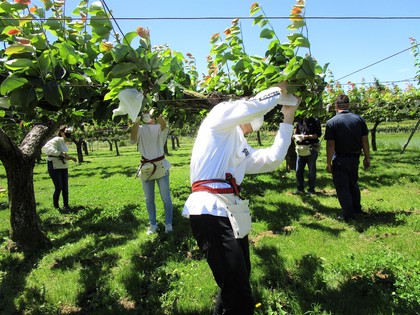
[[220, 147], [53, 148]]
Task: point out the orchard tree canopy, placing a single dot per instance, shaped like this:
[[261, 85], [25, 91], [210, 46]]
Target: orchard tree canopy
[[58, 68]]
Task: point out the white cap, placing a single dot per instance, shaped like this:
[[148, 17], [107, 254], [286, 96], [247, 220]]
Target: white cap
[[146, 118], [257, 123]]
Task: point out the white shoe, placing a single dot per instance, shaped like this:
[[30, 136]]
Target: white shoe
[[168, 228], [152, 229]]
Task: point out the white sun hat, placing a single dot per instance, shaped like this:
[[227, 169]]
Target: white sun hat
[[146, 118]]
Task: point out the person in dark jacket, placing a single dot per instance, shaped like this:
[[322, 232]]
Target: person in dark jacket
[[347, 135], [307, 134]]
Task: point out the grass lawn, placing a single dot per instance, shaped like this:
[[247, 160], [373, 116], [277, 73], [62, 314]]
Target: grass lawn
[[304, 260]]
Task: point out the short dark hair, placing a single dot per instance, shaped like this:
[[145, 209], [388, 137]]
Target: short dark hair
[[342, 101]]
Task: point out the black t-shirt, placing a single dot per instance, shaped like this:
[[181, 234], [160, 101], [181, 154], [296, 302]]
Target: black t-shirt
[[308, 126], [346, 129]]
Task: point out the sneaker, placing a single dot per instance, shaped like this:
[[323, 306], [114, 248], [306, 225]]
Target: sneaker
[[168, 228], [362, 213], [152, 229], [65, 209]]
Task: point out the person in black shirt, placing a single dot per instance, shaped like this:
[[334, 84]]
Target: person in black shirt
[[307, 133], [346, 134]]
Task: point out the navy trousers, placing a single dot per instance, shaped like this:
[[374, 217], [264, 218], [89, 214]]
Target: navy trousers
[[345, 171], [60, 178], [301, 161], [229, 261]]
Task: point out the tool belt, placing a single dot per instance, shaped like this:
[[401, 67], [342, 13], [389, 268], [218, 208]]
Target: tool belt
[[233, 189], [151, 169], [58, 162], [237, 209]]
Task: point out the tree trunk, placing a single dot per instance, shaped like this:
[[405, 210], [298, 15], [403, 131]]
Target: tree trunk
[[116, 147], [19, 163], [165, 148], [110, 144], [173, 143], [259, 138], [411, 135], [373, 135], [79, 149], [85, 147]]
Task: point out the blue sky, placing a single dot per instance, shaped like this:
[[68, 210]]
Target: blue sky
[[347, 45]]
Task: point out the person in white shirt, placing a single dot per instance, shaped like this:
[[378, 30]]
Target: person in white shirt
[[56, 149], [150, 138], [220, 159]]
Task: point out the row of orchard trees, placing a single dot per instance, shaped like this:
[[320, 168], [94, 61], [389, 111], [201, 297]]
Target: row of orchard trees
[[57, 70], [379, 103]]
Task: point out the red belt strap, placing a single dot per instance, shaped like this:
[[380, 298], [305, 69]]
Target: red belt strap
[[233, 189]]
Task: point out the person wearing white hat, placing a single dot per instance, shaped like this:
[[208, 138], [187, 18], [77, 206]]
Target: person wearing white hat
[[150, 138], [220, 219]]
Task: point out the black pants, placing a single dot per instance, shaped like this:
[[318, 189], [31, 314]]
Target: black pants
[[345, 173], [229, 261], [60, 178]]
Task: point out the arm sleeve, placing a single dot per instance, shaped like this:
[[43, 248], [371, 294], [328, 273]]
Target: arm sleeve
[[54, 147], [268, 159], [228, 115]]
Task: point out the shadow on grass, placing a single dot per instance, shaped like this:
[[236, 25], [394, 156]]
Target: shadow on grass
[[146, 281], [307, 287]]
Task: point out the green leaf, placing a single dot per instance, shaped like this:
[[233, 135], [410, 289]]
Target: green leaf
[[266, 33], [119, 52], [16, 49], [299, 40], [78, 113], [19, 64], [302, 42], [11, 83], [122, 69], [128, 38], [95, 8], [68, 53], [39, 42], [44, 63], [24, 98], [53, 24], [101, 25], [239, 66], [218, 48], [53, 94], [296, 25]]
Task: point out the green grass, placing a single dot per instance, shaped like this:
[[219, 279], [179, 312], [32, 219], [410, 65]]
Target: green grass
[[304, 261]]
